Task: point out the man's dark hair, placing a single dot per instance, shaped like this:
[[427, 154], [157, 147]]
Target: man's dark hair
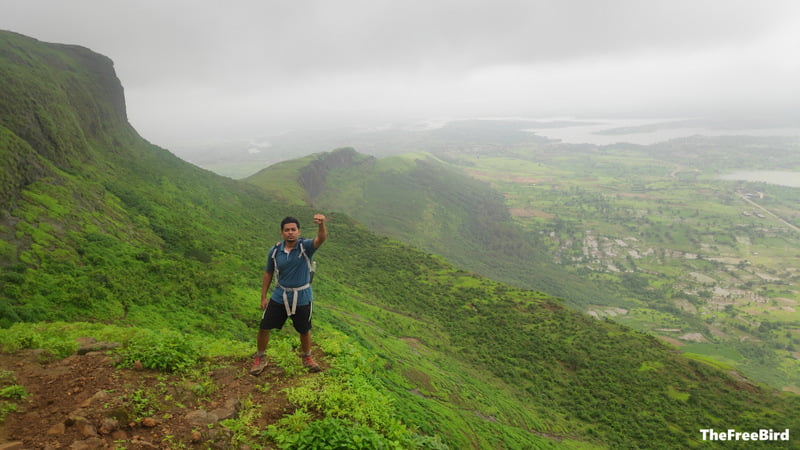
[[290, 220]]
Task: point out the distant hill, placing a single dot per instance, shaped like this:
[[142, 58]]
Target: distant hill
[[102, 230], [421, 200]]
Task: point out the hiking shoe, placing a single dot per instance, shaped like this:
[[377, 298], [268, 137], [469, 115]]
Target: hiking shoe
[[259, 364], [308, 363]]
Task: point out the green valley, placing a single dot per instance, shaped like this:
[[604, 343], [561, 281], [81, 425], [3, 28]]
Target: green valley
[[107, 237], [649, 236], [709, 265]]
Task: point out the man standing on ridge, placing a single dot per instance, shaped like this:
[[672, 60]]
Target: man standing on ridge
[[289, 262]]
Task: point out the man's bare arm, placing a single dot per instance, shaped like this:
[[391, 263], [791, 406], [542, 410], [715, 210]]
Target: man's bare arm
[[322, 230]]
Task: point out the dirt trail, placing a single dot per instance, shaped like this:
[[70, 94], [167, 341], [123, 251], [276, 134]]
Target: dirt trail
[[84, 401]]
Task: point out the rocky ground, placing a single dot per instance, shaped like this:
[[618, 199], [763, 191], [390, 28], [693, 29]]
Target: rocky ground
[[85, 402]]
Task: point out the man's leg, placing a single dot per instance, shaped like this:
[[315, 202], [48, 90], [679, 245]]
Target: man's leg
[[305, 347], [262, 341], [305, 342], [302, 323], [273, 317], [260, 361]]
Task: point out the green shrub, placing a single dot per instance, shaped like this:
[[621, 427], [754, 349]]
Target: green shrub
[[14, 392], [10, 394], [18, 337], [332, 433], [6, 408], [335, 433], [164, 350], [141, 403], [21, 336]]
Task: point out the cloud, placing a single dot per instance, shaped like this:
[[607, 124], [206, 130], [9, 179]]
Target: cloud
[[200, 70]]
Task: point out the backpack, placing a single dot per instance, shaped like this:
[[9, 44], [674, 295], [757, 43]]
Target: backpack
[[312, 265]]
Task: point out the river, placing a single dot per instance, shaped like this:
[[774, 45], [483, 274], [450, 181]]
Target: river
[[791, 179], [645, 131]]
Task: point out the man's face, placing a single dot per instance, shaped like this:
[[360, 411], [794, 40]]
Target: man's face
[[290, 232]]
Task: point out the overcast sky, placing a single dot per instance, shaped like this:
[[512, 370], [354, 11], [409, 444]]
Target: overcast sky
[[196, 71]]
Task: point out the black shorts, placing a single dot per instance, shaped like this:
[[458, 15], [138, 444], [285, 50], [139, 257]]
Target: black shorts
[[275, 316]]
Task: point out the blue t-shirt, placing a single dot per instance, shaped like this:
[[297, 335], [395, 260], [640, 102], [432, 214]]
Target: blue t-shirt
[[292, 271]]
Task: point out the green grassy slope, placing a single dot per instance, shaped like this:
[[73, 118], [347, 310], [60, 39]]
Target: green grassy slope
[[109, 229], [574, 373]]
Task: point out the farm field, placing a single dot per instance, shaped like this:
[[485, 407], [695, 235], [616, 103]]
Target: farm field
[[710, 265]]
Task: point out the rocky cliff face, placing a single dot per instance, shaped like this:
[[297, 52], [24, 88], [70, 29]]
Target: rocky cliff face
[[58, 105], [313, 176]]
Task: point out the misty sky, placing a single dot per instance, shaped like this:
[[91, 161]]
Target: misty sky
[[199, 71]]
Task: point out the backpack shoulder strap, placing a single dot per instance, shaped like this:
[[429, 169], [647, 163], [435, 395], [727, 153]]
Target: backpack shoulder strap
[[275, 260], [308, 260], [311, 266]]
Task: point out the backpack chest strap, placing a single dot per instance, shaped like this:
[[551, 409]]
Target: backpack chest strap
[[290, 310]]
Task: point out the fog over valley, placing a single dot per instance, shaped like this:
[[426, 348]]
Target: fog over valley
[[201, 73]]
